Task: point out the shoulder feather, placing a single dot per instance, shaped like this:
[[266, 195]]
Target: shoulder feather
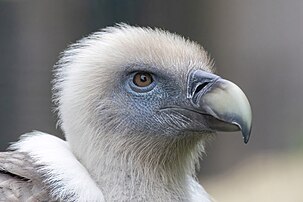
[[19, 180], [63, 175]]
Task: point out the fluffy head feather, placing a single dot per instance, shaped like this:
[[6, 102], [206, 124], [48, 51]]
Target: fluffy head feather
[[87, 74], [113, 131]]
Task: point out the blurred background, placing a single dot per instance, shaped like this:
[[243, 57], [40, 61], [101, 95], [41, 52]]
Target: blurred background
[[257, 44]]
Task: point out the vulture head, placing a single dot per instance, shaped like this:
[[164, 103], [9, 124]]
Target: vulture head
[[138, 104]]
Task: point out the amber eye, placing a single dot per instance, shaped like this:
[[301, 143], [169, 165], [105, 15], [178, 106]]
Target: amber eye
[[142, 79]]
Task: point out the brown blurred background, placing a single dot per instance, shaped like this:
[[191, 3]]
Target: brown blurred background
[[257, 44]]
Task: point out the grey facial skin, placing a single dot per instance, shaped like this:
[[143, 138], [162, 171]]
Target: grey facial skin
[[208, 104]]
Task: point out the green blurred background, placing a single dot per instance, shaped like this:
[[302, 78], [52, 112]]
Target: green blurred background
[[257, 44]]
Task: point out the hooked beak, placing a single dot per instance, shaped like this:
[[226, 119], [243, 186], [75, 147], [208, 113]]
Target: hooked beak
[[224, 102]]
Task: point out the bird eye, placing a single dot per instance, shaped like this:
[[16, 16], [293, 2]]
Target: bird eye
[[142, 79]]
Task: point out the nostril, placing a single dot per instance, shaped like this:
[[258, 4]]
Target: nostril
[[200, 87]]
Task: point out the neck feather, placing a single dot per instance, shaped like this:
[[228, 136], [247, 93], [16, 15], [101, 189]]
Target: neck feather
[[158, 168]]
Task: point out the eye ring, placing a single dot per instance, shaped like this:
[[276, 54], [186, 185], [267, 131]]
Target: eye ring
[[142, 82], [143, 79]]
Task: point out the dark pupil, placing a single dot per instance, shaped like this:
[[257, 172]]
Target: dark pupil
[[143, 78]]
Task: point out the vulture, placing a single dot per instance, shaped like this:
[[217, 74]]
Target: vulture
[[136, 106]]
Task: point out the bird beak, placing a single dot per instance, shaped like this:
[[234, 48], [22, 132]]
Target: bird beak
[[223, 102]]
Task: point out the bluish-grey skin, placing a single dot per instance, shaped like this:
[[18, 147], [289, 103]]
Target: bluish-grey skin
[[170, 105]]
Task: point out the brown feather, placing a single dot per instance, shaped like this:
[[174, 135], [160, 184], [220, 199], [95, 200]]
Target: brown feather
[[19, 179]]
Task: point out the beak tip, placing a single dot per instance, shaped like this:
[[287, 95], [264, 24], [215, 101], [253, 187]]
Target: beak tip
[[246, 135]]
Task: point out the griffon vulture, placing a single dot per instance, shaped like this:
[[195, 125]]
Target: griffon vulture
[[136, 106]]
